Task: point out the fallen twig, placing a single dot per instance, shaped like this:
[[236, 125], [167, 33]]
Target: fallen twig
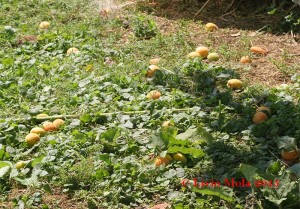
[[201, 8]]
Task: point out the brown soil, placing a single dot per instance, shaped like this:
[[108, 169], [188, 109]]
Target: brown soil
[[237, 34]]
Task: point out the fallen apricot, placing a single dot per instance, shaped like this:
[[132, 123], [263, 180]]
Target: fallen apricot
[[245, 60], [203, 51], [44, 25], [39, 131], [31, 139], [73, 50], [154, 61], [151, 70], [234, 84], [180, 157], [213, 56], [58, 122], [153, 95], [167, 124], [290, 155], [163, 160], [20, 164], [42, 115], [211, 27], [257, 50], [263, 109], [193, 55], [49, 126], [259, 117]]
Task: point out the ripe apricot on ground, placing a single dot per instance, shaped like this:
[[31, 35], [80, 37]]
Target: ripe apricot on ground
[[213, 56], [259, 117], [180, 157], [49, 126], [58, 122], [245, 60], [290, 155], [193, 55], [73, 50], [257, 50], [151, 70], [211, 27], [39, 131], [234, 84], [42, 115], [44, 25], [167, 124], [20, 164], [163, 160], [31, 139], [263, 108], [154, 61], [203, 51], [153, 95]]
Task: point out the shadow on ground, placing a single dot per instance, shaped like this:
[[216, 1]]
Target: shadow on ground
[[246, 15]]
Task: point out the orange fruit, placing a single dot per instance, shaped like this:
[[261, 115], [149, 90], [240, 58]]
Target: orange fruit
[[39, 131], [167, 124], [203, 51], [42, 115], [180, 157], [259, 117], [290, 155], [44, 25], [151, 70], [58, 122], [49, 126], [211, 27], [20, 164], [73, 50], [245, 59], [263, 109], [153, 95], [31, 139], [213, 56], [154, 61], [163, 160], [193, 55], [258, 50], [234, 84]]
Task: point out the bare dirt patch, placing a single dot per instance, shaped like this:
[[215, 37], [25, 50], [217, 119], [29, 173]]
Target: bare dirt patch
[[277, 67]]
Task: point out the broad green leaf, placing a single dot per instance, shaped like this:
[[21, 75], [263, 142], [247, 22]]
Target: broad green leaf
[[196, 153], [295, 169], [156, 141], [4, 171], [250, 173], [205, 135], [224, 193], [86, 118], [187, 134], [111, 135], [37, 160], [5, 163]]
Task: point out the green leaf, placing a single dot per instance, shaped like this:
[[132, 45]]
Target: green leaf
[[190, 133], [4, 171], [156, 141], [271, 12], [111, 135], [37, 160], [250, 173], [295, 169], [205, 135], [224, 193], [86, 118], [196, 153], [5, 163], [47, 189]]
